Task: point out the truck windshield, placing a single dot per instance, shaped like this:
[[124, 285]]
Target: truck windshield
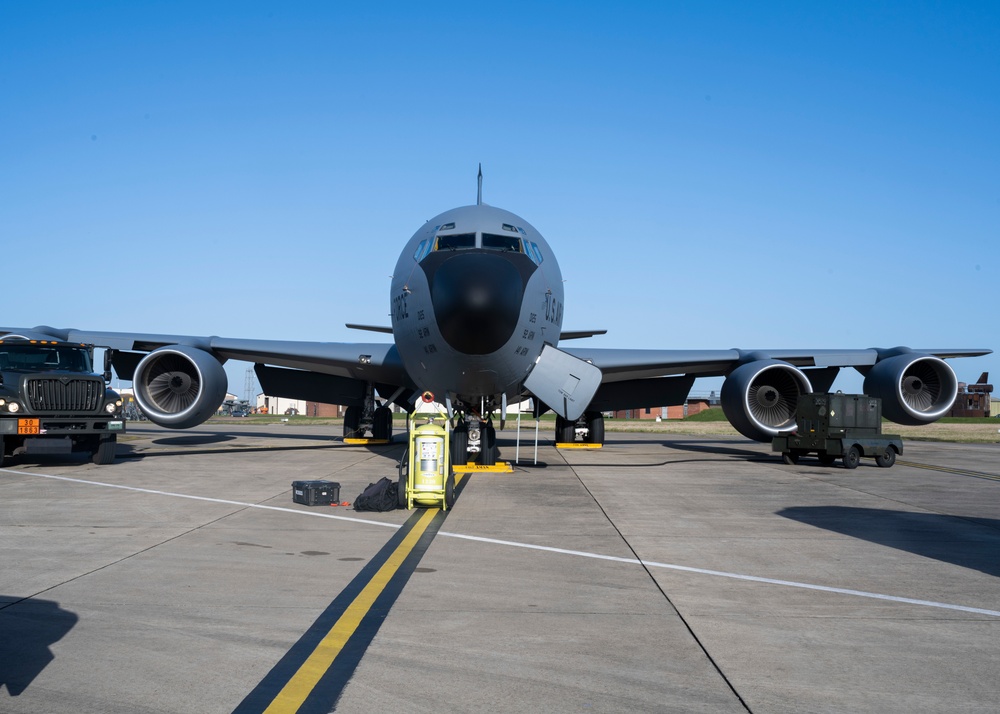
[[44, 358]]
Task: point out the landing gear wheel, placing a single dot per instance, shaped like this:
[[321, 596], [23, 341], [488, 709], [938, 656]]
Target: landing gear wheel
[[595, 427], [460, 445], [565, 431], [827, 459], [790, 458], [104, 452], [404, 478], [887, 459], [382, 428], [352, 422], [449, 491], [488, 445], [852, 458]]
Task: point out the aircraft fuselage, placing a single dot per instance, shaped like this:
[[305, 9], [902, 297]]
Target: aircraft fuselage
[[475, 295]]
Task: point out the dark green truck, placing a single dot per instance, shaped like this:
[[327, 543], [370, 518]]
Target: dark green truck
[[52, 402], [839, 426]]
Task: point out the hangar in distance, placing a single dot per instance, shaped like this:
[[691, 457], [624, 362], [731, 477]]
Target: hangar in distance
[[476, 304]]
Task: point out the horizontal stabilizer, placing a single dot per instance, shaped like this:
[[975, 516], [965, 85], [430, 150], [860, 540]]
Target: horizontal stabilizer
[[369, 328], [563, 382], [579, 334]]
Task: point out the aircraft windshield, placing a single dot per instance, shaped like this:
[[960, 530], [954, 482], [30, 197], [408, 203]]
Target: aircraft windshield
[[459, 241], [44, 358], [508, 244]]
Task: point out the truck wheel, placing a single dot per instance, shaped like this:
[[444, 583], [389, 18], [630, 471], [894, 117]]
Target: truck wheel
[[887, 459], [852, 457], [827, 459], [3, 453], [789, 458], [104, 454]]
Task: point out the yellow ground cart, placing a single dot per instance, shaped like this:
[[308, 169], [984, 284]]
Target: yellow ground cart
[[425, 474]]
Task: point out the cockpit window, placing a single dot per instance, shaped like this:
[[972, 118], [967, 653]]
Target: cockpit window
[[459, 241], [533, 252], [508, 244], [422, 250]]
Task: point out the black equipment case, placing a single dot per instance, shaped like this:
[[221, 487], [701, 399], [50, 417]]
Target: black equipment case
[[315, 493]]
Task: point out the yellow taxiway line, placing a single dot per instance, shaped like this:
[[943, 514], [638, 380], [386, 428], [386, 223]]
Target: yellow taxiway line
[[298, 688]]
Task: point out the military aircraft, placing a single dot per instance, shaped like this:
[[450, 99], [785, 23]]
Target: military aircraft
[[476, 305]]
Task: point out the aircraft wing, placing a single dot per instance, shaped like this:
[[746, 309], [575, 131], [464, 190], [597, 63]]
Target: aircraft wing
[[619, 365], [376, 362], [762, 386]]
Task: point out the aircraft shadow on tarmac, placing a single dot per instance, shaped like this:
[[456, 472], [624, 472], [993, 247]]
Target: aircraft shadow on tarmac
[[967, 542], [27, 628], [717, 448]]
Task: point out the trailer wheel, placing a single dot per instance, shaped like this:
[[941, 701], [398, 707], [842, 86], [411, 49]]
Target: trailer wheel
[[789, 458], [852, 457], [887, 459], [449, 491], [404, 478], [104, 453]]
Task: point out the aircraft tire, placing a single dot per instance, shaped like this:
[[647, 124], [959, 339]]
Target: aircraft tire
[[887, 459], [488, 446], [852, 457], [352, 422], [104, 451], [565, 431], [382, 428], [595, 428], [460, 445]]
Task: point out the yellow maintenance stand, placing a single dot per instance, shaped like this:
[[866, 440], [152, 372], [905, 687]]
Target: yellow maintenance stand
[[425, 474]]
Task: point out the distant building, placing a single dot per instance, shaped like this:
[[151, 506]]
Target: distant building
[[973, 400], [689, 408]]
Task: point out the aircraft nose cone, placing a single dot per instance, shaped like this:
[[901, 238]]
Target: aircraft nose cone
[[477, 301]]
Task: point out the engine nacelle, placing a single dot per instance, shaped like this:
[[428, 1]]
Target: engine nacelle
[[914, 388], [759, 397], [179, 386]]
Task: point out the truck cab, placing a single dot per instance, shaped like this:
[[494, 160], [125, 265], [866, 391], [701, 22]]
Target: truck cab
[[52, 401]]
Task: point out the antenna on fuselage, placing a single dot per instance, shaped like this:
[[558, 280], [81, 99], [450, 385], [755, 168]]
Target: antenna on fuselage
[[479, 195]]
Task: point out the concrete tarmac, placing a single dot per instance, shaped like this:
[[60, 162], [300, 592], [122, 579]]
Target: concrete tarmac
[[661, 573]]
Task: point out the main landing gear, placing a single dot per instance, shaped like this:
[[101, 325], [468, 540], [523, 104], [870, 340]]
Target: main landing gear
[[368, 419], [590, 429]]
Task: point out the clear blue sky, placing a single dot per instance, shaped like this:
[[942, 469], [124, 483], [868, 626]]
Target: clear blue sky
[[712, 175]]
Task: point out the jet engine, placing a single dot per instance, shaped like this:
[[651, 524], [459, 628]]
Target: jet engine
[[759, 397], [179, 386], [914, 388]]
